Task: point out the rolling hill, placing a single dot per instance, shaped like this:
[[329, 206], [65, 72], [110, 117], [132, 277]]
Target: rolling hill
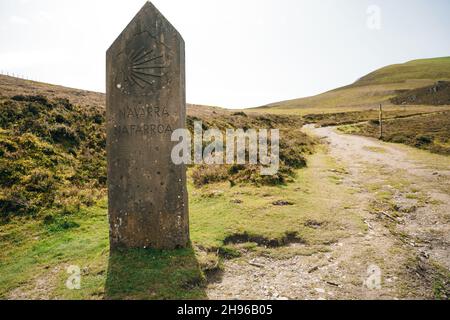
[[11, 86], [377, 87], [53, 146]]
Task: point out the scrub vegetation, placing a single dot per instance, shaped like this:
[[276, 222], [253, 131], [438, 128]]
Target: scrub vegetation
[[428, 131]]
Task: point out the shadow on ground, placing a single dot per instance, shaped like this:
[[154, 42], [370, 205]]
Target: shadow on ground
[[144, 274]]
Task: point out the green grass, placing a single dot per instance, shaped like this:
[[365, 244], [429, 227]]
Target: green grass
[[372, 115], [215, 216], [32, 252], [422, 69], [35, 254], [30, 249]]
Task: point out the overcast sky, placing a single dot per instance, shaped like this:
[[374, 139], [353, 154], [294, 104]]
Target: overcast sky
[[239, 53]]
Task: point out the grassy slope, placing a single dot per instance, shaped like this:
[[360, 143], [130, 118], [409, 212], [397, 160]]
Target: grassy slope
[[10, 86], [51, 153], [36, 249], [372, 89], [344, 118], [34, 255], [429, 131], [423, 69]]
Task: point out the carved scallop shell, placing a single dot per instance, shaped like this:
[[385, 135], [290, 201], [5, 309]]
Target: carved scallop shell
[[144, 67], [144, 64]]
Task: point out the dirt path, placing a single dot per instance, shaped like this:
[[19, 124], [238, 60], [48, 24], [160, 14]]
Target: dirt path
[[401, 195], [421, 199]]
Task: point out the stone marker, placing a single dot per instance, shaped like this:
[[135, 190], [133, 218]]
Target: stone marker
[[146, 102]]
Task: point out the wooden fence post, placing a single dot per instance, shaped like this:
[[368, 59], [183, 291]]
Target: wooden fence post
[[381, 122]]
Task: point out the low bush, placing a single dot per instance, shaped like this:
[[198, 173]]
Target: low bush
[[48, 147], [429, 131], [294, 146]]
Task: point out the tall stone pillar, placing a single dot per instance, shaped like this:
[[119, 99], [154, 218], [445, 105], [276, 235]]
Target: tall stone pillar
[[146, 102]]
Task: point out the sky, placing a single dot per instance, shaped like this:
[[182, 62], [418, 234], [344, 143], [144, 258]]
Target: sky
[[239, 53]]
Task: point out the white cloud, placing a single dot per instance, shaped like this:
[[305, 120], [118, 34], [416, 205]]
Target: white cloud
[[33, 58], [37, 17], [19, 20], [43, 16]]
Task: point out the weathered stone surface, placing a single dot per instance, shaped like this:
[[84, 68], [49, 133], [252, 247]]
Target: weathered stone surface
[[146, 102]]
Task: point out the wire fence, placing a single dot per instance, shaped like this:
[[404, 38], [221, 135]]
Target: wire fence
[[17, 75]]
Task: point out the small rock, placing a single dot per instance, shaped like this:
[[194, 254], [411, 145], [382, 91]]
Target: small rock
[[255, 264], [313, 269], [282, 203], [405, 209], [313, 224], [332, 284]]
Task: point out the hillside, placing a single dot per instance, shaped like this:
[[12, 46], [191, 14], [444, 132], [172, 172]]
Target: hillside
[[423, 69], [377, 87], [10, 86], [53, 206], [53, 140], [436, 95]]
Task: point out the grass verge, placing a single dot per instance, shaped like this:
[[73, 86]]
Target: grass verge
[[429, 131], [225, 221]]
